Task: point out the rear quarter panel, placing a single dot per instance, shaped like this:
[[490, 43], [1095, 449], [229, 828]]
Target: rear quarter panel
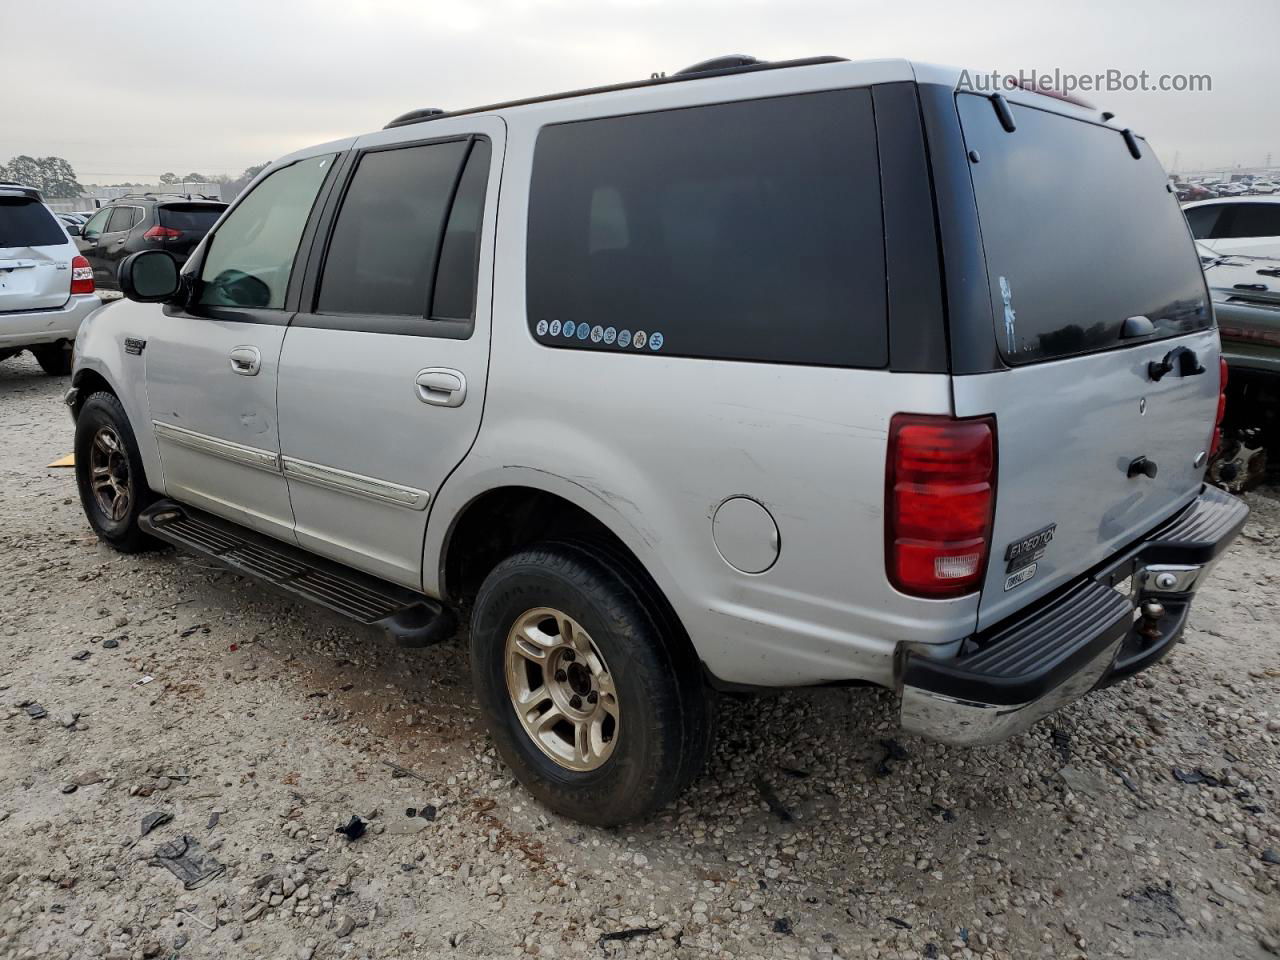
[[652, 444]]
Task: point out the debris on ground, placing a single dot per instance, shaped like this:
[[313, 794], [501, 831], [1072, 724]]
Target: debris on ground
[[354, 828], [892, 751], [188, 861], [771, 800], [35, 711], [153, 820]]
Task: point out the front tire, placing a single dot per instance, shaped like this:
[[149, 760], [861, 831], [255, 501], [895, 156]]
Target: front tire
[[109, 475], [54, 358], [590, 692]]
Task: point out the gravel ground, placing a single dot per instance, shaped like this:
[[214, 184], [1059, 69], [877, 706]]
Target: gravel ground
[[259, 726]]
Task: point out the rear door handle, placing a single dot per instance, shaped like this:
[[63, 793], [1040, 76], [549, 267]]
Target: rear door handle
[[246, 361], [441, 386]]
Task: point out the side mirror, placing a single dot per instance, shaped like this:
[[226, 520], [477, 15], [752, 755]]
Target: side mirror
[[73, 229], [148, 277]]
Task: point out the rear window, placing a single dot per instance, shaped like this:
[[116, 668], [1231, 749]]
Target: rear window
[[190, 218], [26, 223], [743, 231], [1078, 235]]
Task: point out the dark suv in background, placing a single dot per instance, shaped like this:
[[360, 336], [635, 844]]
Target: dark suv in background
[[170, 222]]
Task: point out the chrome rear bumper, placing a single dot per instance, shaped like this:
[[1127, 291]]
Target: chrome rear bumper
[[1086, 636]]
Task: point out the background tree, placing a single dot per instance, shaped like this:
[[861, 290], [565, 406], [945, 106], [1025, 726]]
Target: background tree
[[59, 178], [52, 176], [168, 178]]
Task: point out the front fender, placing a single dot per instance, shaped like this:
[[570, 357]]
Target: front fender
[[101, 356]]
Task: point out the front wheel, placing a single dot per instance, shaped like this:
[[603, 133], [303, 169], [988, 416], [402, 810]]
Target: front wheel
[[113, 488], [593, 698]]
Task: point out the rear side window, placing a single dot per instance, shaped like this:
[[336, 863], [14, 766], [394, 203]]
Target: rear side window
[[454, 297], [741, 231], [189, 218], [1078, 235], [121, 219], [26, 223], [1251, 220], [382, 254]]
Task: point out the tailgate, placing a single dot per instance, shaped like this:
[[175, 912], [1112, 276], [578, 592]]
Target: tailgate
[[35, 257], [1080, 236]]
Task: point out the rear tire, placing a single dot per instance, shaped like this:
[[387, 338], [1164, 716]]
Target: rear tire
[[113, 487], [634, 716], [54, 358]]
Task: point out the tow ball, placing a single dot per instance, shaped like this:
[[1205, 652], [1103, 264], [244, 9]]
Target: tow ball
[[1149, 625]]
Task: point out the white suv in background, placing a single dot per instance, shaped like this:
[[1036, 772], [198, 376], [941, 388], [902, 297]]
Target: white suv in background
[[46, 287], [1245, 226]]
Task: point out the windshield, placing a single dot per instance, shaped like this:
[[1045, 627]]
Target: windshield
[[1078, 235]]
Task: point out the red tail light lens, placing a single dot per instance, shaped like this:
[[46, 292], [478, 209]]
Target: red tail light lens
[[81, 276], [1215, 442], [162, 233], [940, 495]]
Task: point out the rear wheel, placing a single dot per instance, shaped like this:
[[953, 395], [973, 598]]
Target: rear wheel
[[54, 358], [594, 701], [113, 488]]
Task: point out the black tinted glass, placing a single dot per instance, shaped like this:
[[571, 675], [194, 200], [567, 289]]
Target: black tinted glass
[[383, 249], [189, 219], [121, 220], [1253, 220], [1202, 220], [1078, 235], [455, 291], [26, 223], [748, 230]]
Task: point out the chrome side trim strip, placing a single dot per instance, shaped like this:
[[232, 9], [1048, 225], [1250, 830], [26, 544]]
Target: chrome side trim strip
[[217, 447], [353, 483]]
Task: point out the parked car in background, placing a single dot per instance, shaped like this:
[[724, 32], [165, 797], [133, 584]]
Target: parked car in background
[[71, 223], [1192, 191], [1265, 186], [1237, 225], [171, 223], [46, 287], [1246, 301], [740, 429]]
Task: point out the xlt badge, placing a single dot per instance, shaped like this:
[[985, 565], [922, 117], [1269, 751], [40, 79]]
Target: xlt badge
[[1029, 549]]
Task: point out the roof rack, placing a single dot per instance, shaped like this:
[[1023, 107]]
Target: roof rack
[[164, 195], [717, 67]]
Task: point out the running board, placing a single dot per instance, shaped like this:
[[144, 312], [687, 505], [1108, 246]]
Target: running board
[[409, 618]]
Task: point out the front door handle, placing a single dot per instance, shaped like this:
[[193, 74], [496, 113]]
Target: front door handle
[[246, 361], [441, 386]]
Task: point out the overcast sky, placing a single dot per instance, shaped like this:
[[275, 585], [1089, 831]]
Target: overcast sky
[[130, 89]]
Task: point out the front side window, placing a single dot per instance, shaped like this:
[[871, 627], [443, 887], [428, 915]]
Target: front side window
[[382, 255], [97, 223], [250, 258], [741, 231]]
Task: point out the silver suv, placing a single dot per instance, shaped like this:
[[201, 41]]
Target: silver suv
[[756, 375], [46, 287]]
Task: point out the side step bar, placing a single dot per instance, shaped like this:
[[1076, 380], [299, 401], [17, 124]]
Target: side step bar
[[409, 618]]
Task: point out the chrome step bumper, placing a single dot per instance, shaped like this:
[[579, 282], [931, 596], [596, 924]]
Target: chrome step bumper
[[1087, 635]]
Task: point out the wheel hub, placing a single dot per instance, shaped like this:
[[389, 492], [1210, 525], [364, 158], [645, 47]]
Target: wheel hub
[[561, 689], [109, 474]]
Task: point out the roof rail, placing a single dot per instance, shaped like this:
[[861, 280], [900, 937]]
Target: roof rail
[[719, 63], [717, 67]]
